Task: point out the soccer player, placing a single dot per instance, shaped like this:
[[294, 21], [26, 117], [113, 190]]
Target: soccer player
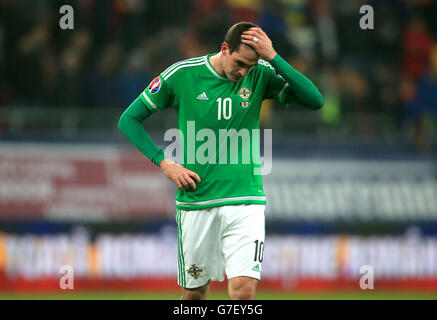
[[220, 200]]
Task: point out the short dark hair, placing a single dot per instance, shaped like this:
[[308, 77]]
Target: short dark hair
[[233, 36]]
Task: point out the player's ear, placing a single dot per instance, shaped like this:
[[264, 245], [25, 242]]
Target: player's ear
[[225, 48]]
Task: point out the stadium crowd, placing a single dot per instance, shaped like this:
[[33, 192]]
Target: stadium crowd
[[118, 46]]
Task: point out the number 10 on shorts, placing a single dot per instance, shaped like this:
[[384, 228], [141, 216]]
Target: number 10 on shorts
[[259, 251]]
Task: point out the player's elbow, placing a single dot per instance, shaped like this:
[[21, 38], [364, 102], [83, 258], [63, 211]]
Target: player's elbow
[[317, 102], [320, 101], [122, 123]]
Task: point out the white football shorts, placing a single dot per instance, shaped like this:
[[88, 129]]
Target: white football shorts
[[210, 239]]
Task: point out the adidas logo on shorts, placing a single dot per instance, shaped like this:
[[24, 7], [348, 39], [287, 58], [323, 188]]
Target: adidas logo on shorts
[[202, 96], [257, 268]]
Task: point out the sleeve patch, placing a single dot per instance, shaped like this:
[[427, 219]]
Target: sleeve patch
[[155, 85]]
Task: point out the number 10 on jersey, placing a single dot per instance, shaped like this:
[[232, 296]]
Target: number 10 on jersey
[[224, 108]]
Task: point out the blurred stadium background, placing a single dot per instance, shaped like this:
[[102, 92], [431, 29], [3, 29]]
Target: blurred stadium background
[[352, 184]]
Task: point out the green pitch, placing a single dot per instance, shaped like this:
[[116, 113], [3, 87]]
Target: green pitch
[[221, 295]]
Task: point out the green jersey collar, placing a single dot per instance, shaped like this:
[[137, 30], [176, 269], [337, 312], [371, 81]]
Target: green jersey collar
[[211, 68]]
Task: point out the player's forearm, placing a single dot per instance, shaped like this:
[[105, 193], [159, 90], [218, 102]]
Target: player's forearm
[[307, 93], [130, 124]]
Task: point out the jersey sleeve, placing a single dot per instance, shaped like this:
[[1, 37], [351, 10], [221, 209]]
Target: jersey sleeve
[[276, 86], [158, 95]]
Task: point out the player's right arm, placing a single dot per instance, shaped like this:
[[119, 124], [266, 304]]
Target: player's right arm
[[130, 124]]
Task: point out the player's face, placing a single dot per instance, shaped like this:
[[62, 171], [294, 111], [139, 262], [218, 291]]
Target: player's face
[[239, 63]]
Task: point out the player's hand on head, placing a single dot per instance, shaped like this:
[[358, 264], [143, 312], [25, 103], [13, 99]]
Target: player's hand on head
[[183, 178], [258, 39]]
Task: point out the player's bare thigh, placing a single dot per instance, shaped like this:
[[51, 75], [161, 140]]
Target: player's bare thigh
[[242, 288], [195, 293]]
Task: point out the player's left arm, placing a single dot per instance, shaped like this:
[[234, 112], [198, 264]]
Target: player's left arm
[[302, 88]]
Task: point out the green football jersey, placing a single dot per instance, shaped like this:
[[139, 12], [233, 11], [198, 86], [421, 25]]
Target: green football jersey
[[219, 128]]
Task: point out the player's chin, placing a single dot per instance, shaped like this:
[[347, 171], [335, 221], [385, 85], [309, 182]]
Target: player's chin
[[235, 79]]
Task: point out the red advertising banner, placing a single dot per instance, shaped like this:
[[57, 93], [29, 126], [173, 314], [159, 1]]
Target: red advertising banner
[[149, 261], [80, 182]]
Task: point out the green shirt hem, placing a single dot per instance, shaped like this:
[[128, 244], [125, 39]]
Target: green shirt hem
[[220, 204]]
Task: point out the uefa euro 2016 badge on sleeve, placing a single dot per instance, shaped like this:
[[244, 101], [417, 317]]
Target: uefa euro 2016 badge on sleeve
[[155, 85]]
